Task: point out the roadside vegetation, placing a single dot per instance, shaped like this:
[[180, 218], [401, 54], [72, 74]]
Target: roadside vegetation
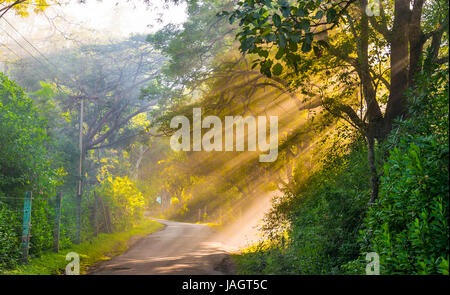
[[97, 249], [330, 227]]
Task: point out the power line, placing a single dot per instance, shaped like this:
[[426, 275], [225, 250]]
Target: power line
[[20, 45], [12, 51], [39, 61], [34, 47], [20, 57]]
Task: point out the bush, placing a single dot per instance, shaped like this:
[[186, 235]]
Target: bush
[[25, 165], [324, 214], [9, 238], [408, 225]]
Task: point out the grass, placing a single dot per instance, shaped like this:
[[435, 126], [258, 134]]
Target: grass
[[261, 258], [215, 226], [96, 249]]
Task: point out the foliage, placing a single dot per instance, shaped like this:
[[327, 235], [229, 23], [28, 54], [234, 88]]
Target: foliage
[[31, 159], [24, 160], [95, 250], [9, 238], [26, 165], [23, 7], [127, 201], [323, 214], [408, 225], [288, 26], [194, 46], [329, 226]]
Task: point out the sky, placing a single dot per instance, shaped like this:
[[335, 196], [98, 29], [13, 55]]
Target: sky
[[74, 23], [124, 17]]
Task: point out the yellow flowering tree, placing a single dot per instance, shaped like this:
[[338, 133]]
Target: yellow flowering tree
[[23, 7], [120, 193], [127, 202]]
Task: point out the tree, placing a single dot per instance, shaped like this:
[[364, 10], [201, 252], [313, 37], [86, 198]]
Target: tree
[[102, 82], [22, 7], [349, 46], [25, 162], [108, 77]]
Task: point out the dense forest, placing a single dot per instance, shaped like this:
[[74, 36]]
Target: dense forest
[[360, 90]]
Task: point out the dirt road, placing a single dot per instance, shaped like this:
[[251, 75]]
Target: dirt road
[[179, 248]]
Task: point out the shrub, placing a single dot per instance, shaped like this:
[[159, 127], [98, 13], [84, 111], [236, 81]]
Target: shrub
[[9, 237], [408, 225]]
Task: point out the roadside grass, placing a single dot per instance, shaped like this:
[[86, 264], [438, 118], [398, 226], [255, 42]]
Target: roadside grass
[[95, 250], [258, 259], [249, 263], [215, 226]]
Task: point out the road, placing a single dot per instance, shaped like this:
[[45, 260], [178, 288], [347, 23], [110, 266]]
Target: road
[[179, 248]]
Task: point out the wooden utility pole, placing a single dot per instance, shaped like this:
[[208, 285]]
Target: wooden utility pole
[[80, 175], [57, 222], [26, 227], [95, 215]]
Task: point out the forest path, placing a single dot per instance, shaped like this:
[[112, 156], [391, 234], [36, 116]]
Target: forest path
[[179, 248]]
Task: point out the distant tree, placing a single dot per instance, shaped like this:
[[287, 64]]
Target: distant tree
[[109, 79]]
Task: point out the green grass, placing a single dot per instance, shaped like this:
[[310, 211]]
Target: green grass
[[96, 249], [215, 226]]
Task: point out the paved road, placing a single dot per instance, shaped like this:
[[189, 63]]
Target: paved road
[[179, 248]]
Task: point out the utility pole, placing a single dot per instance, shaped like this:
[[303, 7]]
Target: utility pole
[[26, 228], [57, 222], [81, 98], [80, 175]]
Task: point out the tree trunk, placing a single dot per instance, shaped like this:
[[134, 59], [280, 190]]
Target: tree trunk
[[374, 113], [416, 42], [396, 105]]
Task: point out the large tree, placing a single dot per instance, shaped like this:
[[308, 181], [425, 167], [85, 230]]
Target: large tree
[[357, 58]]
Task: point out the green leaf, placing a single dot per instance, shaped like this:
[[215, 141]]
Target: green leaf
[[280, 53], [265, 68], [263, 53], [300, 12], [247, 44], [294, 37], [293, 46], [277, 69], [276, 20], [231, 19], [318, 15], [331, 15], [285, 10], [268, 3], [270, 37], [282, 40], [266, 32], [309, 37], [306, 47], [304, 25]]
